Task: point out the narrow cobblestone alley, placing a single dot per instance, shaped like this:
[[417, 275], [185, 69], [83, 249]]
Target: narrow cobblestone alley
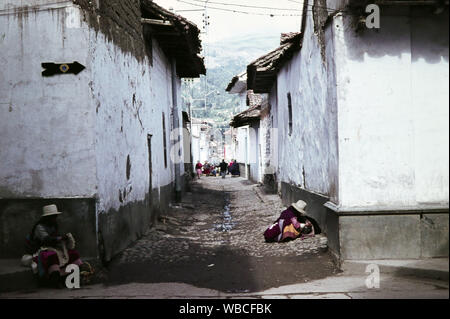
[[213, 239]]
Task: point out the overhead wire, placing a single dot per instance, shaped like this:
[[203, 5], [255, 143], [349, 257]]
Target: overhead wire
[[205, 3], [240, 11], [246, 6]]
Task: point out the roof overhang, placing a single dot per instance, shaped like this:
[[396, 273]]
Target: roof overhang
[[262, 73], [178, 38], [246, 117], [238, 84]]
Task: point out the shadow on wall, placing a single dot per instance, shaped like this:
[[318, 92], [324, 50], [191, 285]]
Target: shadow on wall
[[18, 216], [416, 31]]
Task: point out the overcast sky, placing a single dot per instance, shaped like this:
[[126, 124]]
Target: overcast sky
[[227, 24]]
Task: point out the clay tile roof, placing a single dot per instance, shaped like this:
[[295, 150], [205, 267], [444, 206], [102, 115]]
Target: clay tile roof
[[246, 117], [238, 83], [262, 72], [180, 38]]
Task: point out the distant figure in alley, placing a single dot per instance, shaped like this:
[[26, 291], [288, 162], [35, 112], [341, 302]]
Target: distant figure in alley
[[198, 168], [223, 168]]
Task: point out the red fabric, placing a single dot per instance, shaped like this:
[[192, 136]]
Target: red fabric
[[50, 258]]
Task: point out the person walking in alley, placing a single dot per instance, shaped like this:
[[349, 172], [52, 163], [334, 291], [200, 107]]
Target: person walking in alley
[[223, 168], [198, 168], [51, 252]]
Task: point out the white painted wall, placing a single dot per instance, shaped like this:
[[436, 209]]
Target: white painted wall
[[46, 123], [130, 97], [266, 139], [308, 157], [200, 143], [67, 135], [195, 144], [243, 101], [393, 112], [254, 152], [242, 153]]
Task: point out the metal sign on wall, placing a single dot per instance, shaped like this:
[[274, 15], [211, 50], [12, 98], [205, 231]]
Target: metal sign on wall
[[61, 68]]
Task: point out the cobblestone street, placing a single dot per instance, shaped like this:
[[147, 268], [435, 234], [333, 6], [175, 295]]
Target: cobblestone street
[[213, 239], [212, 246]]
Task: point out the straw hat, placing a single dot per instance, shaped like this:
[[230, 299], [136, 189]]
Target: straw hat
[[50, 210], [300, 206]]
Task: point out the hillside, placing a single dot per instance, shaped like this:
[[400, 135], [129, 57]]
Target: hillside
[[224, 60]]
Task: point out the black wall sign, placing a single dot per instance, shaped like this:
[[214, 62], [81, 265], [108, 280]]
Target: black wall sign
[[61, 68]]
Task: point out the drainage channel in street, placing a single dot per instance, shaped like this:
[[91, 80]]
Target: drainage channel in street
[[227, 223]]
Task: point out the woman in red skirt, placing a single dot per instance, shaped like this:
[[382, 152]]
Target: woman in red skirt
[[51, 251]]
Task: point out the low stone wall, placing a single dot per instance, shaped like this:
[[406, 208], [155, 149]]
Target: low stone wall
[[18, 216]]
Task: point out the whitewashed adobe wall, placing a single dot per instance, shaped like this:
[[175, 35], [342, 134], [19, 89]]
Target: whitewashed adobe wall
[[308, 157], [46, 123], [130, 98], [393, 111]]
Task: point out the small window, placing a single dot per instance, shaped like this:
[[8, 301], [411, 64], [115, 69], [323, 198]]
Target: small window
[[290, 113], [164, 139]]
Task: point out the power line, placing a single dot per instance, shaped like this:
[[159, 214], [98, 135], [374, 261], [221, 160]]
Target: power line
[[310, 9], [246, 6], [239, 11]]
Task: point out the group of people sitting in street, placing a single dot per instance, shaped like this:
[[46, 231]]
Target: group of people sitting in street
[[223, 169]]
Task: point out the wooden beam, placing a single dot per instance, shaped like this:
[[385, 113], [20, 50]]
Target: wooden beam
[[156, 22]]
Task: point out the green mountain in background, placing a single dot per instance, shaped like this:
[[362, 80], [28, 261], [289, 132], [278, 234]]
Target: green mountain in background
[[224, 60]]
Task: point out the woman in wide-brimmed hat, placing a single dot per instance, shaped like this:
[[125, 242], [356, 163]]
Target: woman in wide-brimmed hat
[[291, 224], [51, 251]]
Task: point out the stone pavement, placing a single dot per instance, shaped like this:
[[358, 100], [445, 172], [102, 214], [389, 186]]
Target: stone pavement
[[211, 246], [214, 239], [219, 213], [341, 286]]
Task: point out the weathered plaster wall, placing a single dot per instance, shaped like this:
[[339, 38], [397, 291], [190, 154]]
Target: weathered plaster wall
[[46, 151], [254, 152], [85, 136], [130, 98], [393, 111], [314, 135], [195, 144], [274, 143], [242, 145]]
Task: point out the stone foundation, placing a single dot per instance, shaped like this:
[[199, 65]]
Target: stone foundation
[[120, 228], [396, 234]]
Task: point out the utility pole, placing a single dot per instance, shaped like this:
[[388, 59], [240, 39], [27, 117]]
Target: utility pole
[[205, 46]]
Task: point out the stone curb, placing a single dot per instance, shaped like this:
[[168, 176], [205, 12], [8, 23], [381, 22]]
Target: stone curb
[[430, 269]]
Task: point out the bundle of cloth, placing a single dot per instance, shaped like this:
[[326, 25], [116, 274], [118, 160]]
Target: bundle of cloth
[[292, 223]]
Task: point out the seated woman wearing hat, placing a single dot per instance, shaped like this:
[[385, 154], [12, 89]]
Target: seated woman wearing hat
[[51, 251], [291, 224]]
